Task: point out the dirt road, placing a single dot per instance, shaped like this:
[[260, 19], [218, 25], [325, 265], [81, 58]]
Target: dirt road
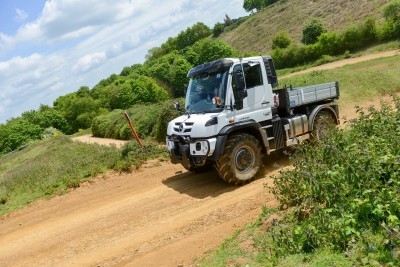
[[159, 216], [344, 62]]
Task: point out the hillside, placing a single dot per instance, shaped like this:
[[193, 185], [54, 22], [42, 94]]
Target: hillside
[[292, 15]]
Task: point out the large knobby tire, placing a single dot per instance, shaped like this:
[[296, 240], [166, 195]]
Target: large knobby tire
[[324, 122], [241, 160]]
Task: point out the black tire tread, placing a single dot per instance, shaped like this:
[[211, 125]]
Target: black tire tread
[[223, 165]]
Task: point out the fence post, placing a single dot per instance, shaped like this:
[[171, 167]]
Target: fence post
[[133, 129]]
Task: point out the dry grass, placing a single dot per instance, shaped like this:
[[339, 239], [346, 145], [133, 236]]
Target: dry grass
[[255, 34]]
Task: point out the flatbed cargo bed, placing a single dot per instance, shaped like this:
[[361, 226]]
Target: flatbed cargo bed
[[290, 98]]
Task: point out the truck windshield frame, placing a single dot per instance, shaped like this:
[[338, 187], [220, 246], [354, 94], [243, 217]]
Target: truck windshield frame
[[203, 88]]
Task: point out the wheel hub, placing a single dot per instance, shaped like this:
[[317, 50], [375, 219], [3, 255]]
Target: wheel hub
[[244, 159]]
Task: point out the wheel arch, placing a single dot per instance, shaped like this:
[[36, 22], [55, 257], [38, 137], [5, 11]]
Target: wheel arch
[[332, 109], [250, 127]]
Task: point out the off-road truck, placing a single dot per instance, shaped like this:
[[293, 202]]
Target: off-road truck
[[235, 115]]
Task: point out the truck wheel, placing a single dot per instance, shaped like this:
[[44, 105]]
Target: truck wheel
[[323, 123], [241, 160]]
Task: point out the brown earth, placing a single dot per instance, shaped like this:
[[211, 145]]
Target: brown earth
[[160, 215]]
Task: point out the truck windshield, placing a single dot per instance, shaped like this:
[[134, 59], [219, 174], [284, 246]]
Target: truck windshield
[[203, 88]]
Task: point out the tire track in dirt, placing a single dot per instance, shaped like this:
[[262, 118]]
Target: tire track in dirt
[[159, 216]]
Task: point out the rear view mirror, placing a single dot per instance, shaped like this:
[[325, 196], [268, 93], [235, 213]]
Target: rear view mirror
[[241, 86]]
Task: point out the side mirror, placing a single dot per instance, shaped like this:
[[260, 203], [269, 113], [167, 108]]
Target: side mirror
[[241, 87], [177, 106], [185, 87]]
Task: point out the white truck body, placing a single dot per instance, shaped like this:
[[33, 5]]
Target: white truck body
[[234, 98]]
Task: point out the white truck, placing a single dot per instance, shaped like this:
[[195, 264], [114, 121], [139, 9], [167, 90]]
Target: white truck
[[234, 115]]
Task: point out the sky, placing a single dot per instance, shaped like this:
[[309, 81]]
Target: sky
[[51, 48]]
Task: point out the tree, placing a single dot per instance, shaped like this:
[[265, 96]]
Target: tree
[[209, 50], [392, 16], [281, 40], [227, 21], [250, 5], [312, 31], [171, 69], [218, 29]]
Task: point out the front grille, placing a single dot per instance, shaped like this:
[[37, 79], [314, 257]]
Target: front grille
[[183, 127]]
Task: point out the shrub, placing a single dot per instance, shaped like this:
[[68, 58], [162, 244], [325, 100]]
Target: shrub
[[345, 190], [312, 31], [281, 40], [218, 29], [148, 120]]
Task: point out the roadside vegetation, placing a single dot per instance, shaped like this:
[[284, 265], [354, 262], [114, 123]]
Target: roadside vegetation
[[163, 75], [340, 204], [50, 167]]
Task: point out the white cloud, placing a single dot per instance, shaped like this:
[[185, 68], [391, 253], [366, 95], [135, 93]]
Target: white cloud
[[75, 43], [89, 62], [21, 15]]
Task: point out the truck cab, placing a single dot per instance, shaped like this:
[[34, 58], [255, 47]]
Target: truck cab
[[233, 117]]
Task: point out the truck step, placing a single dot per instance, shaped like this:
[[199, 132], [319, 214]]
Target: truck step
[[270, 138], [266, 127]]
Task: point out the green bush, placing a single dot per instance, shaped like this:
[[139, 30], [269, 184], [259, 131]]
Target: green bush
[[281, 40], [330, 43], [312, 31], [148, 120], [345, 190]]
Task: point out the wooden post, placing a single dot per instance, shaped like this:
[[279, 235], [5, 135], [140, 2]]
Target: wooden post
[[133, 129]]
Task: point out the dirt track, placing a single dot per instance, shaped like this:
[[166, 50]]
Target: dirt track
[[158, 216]]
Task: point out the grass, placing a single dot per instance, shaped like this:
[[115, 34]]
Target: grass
[[255, 34], [250, 246], [51, 167], [358, 82]]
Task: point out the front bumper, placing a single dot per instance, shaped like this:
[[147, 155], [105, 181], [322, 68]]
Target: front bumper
[[188, 152]]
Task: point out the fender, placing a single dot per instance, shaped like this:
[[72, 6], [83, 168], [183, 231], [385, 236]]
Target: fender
[[251, 125], [333, 109]]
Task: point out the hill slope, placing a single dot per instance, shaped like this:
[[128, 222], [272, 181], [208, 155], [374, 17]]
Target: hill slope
[[255, 34]]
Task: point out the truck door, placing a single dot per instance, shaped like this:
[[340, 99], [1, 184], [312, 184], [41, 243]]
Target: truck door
[[253, 82]]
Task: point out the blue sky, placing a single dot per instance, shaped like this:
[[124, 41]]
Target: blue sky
[[51, 48]]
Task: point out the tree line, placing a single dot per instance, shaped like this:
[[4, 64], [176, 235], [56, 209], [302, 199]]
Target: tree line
[[163, 74]]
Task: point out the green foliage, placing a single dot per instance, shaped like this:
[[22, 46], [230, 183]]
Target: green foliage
[[391, 29], [250, 5], [208, 50], [171, 69], [392, 10], [281, 40], [18, 132], [312, 31], [218, 29], [51, 167], [135, 90], [78, 109], [149, 121], [321, 43], [29, 127], [345, 190], [184, 39]]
